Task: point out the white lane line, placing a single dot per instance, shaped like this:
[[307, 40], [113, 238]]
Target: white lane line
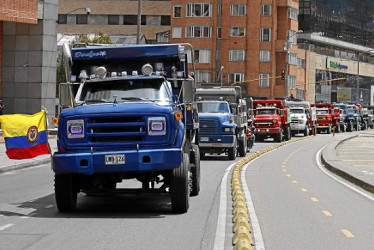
[[6, 226], [257, 235], [219, 240], [319, 164]]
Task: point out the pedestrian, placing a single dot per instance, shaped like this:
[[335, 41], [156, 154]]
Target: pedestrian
[[1, 107]]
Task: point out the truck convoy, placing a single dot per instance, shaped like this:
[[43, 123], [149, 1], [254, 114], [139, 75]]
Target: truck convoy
[[303, 117], [223, 121], [272, 120], [127, 112], [328, 117], [346, 120]]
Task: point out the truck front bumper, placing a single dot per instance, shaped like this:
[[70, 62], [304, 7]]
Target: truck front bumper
[[261, 131], [216, 141], [297, 126], [143, 160]]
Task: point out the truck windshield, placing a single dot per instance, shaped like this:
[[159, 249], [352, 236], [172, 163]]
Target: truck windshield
[[213, 107], [125, 91], [297, 111], [322, 111], [266, 112]]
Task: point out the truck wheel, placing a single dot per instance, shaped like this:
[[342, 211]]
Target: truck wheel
[[242, 147], [329, 129], [350, 127], [65, 193], [195, 172], [306, 131], [202, 155], [287, 136], [179, 188], [279, 136], [232, 153]]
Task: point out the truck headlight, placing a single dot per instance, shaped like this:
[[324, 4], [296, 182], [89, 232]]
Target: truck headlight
[[75, 129], [228, 129], [275, 121], [156, 126]]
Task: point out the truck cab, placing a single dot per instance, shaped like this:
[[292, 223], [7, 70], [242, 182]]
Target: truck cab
[[217, 128], [303, 117], [328, 117], [272, 120], [127, 112]]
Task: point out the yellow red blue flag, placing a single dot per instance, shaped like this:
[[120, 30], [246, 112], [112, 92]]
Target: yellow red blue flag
[[25, 135]]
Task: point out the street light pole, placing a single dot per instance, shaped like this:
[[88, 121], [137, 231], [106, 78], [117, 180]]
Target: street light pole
[[139, 21], [222, 67], [287, 47]]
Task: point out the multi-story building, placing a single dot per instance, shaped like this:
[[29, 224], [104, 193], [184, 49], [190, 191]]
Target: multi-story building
[[114, 17], [339, 41], [28, 55], [243, 42]]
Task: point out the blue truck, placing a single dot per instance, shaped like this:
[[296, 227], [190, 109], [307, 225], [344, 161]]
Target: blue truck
[[347, 116], [223, 121], [127, 112]]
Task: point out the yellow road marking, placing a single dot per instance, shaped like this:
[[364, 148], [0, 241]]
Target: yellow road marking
[[314, 199], [327, 213], [288, 175], [284, 170], [294, 182], [303, 189], [347, 233], [283, 166], [357, 160]]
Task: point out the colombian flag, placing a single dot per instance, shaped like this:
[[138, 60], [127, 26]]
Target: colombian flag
[[25, 135]]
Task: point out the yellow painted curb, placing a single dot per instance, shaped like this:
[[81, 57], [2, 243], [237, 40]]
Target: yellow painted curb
[[240, 212], [241, 222], [242, 233], [243, 244]]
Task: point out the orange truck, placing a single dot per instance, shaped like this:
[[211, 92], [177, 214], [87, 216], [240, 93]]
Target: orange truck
[[272, 120], [328, 117]]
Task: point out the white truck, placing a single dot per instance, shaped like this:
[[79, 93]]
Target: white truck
[[303, 117]]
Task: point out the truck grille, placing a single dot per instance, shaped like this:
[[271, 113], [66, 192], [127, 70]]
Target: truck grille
[[116, 129], [263, 124], [208, 125]]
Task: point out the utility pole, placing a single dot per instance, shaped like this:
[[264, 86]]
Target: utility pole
[[139, 22]]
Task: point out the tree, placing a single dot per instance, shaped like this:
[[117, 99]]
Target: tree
[[100, 38]]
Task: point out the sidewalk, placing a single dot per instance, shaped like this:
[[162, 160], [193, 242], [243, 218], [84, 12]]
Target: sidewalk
[[352, 158], [7, 164]]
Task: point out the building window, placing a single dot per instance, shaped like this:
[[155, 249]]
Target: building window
[[292, 58], [198, 10], [236, 55], [237, 31], [176, 32], [82, 19], [292, 13], [203, 76], [300, 63], [266, 10], [165, 20], [113, 19], [198, 31], [236, 77], [202, 56], [237, 10], [264, 55], [62, 19], [177, 11], [219, 32], [220, 9], [264, 80], [265, 34], [291, 81], [292, 36], [130, 20]]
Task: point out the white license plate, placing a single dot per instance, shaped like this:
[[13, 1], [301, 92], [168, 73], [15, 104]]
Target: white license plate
[[114, 159], [204, 139]]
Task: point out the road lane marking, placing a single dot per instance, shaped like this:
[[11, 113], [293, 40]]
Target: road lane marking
[[284, 170], [256, 230], [327, 213], [320, 166], [294, 181], [283, 166], [347, 233], [288, 175], [363, 165], [6, 226], [356, 160], [303, 189], [314, 199], [219, 241]]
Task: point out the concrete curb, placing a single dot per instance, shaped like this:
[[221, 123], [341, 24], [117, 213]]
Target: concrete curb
[[328, 159], [24, 164]]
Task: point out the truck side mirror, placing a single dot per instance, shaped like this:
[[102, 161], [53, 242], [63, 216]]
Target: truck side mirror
[[66, 96], [188, 91]]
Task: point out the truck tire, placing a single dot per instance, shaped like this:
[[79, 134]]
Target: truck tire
[[242, 147], [179, 187], [195, 172], [350, 127], [306, 130], [329, 129], [287, 135], [65, 193], [233, 151], [279, 136]]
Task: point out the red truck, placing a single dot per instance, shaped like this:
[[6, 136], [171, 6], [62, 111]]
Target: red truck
[[328, 117], [272, 120]]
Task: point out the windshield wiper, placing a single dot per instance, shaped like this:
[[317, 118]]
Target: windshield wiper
[[136, 99], [96, 100]]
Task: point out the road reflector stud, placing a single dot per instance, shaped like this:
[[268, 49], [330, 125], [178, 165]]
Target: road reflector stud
[[240, 212], [241, 222]]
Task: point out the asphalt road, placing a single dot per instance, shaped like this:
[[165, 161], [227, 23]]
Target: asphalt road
[[298, 206], [29, 218]]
